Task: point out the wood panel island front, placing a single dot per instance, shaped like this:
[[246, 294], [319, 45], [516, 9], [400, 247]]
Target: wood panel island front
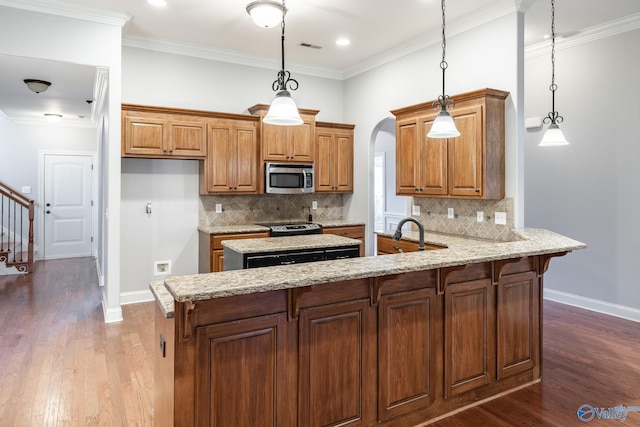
[[394, 340]]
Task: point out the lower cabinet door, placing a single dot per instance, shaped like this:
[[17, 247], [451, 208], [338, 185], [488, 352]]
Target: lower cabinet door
[[470, 338], [242, 373], [337, 365], [518, 324], [407, 354]]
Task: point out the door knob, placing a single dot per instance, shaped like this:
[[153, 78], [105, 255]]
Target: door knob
[[48, 204], [48, 212]]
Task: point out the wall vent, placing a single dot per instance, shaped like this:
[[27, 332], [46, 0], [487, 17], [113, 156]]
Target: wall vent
[[310, 46]]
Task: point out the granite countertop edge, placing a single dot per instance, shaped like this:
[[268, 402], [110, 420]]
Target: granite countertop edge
[[288, 243], [459, 251], [164, 299]]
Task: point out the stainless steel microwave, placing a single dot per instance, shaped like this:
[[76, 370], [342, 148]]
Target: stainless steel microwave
[[284, 178]]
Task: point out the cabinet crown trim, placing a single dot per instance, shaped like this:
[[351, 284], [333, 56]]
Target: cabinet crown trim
[[477, 94], [187, 112]]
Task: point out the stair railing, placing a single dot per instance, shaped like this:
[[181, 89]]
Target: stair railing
[[16, 226]]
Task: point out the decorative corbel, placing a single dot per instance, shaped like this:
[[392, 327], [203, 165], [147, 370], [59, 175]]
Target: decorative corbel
[[543, 264], [293, 301], [500, 264], [375, 287], [187, 320], [443, 276]]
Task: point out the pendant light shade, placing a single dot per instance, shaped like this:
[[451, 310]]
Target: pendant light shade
[[265, 13], [553, 136], [444, 125], [283, 111]]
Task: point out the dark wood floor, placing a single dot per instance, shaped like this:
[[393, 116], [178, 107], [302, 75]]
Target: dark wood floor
[[60, 364]]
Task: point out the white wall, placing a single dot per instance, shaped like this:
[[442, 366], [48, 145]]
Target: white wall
[[39, 35], [417, 78], [589, 190], [24, 143], [171, 186]]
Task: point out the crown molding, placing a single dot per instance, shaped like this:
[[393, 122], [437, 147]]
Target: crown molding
[[66, 122], [591, 34], [68, 10], [206, 52]]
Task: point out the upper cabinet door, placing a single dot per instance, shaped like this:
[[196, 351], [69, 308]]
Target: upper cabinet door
[[466, 158], [274, 142], [144, 136], [343, 164], [432, 162], [407, 150], [188, 138]]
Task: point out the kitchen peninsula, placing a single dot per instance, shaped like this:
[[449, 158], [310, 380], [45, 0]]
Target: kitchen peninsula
[[393, 340]]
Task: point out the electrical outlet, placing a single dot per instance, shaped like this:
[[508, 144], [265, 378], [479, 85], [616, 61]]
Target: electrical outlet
[[147, 208], [26, 189], [218, 208], [415, 210], [501, 218], [314, 205], [479, 216], [450, 213], [161, 268]]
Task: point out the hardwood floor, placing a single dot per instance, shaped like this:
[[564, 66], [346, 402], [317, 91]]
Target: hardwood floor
[[60, 364]]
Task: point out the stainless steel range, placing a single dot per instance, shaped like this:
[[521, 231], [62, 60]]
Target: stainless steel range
[[292, 228]]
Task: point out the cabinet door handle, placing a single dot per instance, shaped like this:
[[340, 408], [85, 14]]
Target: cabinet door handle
[[477, 190]]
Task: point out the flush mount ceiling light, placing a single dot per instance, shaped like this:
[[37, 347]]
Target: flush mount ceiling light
[[158, 3], [443, 126], [283, 110], [553, 136], [53, 117], [266, 13], [37, 86]]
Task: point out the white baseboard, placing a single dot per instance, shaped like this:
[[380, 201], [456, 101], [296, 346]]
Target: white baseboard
[[100, 275], [136, 297], [603, 307], [111, 315]]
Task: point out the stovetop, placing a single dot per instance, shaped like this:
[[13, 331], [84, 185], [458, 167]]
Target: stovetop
[[292, 228]]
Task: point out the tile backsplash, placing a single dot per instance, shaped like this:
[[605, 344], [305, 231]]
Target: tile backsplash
[[434, 217], [250, 209]]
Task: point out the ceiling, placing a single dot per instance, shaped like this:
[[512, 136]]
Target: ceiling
[[378, 30]]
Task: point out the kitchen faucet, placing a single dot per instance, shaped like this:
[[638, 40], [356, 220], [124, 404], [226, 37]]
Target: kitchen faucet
[[398, 234]]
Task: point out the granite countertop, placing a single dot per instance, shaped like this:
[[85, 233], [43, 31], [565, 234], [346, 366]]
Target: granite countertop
[[288, 243], [459, 251], [254, 228], [443, 239], [163, 298]]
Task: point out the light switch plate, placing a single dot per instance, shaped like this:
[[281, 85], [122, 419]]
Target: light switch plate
[[450, 213], [314, 205], [479, 216], [415, 210], [501, 218], [26, 189], [218, 208]]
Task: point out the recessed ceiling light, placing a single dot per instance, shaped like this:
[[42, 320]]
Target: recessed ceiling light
[[343, 42], [158, 3]]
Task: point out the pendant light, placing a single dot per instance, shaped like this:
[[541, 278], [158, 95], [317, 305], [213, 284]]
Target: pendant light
[[443, 126], [553, 136], [283, 110]]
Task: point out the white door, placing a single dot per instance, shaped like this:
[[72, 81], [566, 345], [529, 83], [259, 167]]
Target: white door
[[67, 206]]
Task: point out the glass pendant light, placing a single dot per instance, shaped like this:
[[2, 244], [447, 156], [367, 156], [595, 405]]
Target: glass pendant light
[[283, 110], [553, 136], [443, 126]]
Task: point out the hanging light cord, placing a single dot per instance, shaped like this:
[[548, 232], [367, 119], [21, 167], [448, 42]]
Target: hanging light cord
[[553, 117], [443, 100], [284, 79]]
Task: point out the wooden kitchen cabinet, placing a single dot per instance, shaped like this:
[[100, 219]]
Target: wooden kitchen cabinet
[[153, 132], [386, 245], [232, 165], [468, 166], [211, 252], [352, 232], [288, 144], [227, 385], [337, 345], [334, 158]]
